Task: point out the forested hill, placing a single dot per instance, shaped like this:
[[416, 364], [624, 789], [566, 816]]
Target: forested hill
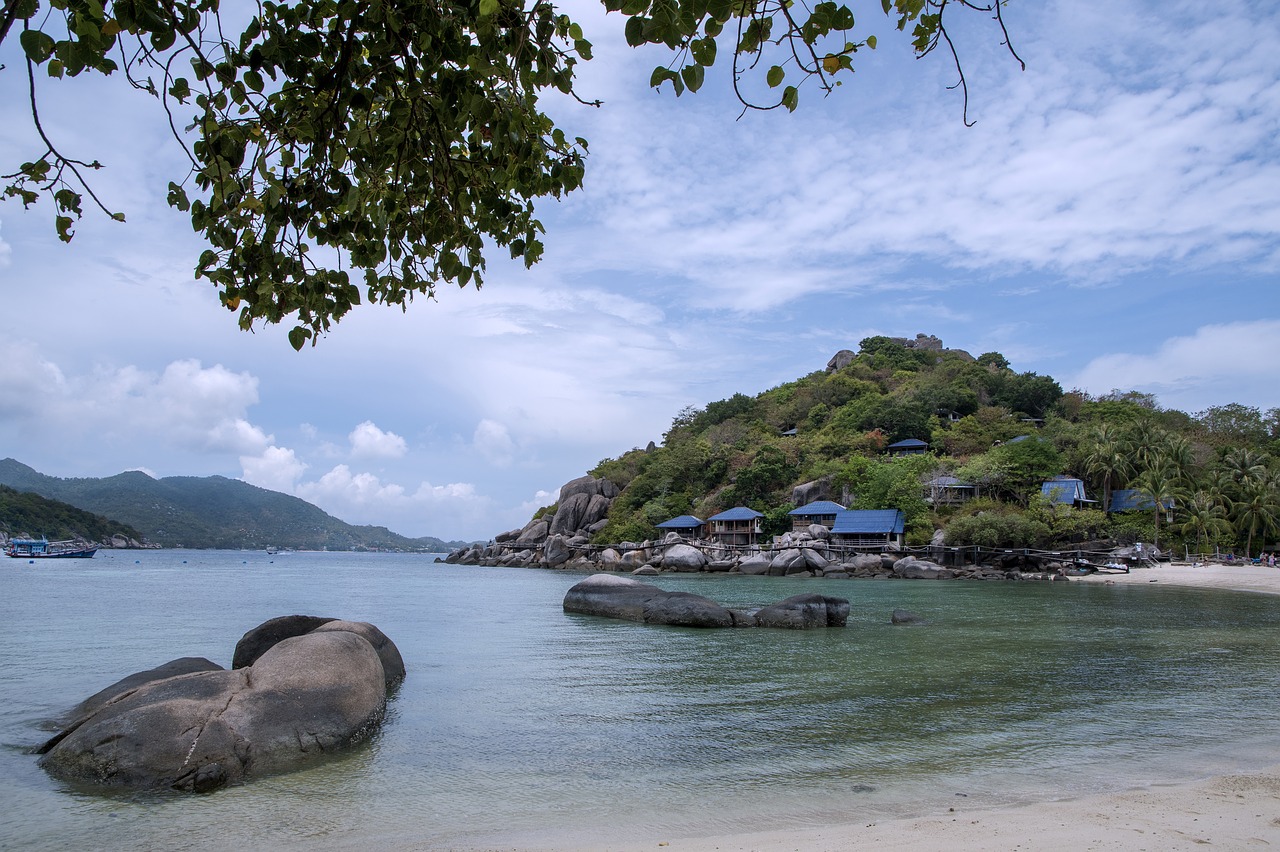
[[211, 512], [1003, 431], [23, 513]]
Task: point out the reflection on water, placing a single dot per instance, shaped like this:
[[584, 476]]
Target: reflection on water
[[520, 724]]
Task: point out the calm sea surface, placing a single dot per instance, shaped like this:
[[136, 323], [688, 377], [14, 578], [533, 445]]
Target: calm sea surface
[[520, 725]]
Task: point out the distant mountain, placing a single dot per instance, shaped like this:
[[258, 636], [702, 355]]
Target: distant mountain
[[24, 513], [212, 512]]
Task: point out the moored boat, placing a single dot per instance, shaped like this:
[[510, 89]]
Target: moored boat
[[42, 548]]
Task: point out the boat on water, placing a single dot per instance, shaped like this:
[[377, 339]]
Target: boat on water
[[42, 548]]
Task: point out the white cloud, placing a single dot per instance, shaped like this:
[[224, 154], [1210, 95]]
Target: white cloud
[[5, 250], [368, 441], [492, 441], [1218, 364], [276, 469]]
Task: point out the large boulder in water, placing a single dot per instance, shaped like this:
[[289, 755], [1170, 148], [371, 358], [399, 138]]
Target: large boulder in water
[[190, 725], [623, 597], [306, 696], [804, 612]]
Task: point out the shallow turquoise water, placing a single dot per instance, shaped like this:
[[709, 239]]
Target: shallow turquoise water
[[521, 725]]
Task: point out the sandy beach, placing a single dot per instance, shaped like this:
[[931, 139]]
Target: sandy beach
[[1235, 812]]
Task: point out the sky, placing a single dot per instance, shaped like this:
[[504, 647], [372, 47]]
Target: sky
[[1112, 219]]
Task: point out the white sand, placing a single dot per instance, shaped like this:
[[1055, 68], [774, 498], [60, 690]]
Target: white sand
[[1241, 578], [1234, 812]]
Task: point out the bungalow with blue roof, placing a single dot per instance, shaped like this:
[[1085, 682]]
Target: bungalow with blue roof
[[1065, 491], [908, 447], [947, 490], [738, 525], [819, 512], [1133, 500], [686, 525], [877, 527]]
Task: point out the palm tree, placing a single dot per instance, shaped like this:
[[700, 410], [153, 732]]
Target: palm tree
[[1245, 466], [1107, 456], [1181, 456], [1258, 509], [1158, 484], [1206, 517]]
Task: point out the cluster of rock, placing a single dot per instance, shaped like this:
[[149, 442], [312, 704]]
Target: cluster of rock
[[580, 513], [300, 687], [923, 342], [803, 555], [612, 596]]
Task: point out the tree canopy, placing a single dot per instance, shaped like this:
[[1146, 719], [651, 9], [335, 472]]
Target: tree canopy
[[351, 150]]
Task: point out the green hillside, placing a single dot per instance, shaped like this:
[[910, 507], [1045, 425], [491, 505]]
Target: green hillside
[[1002, 431], [23, 513], [211, 512]]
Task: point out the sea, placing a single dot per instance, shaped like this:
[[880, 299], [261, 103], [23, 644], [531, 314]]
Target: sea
[[520, 726]]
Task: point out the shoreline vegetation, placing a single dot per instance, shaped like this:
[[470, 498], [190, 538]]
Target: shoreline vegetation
[[1231, 811]]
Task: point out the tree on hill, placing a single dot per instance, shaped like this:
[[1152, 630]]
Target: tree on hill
[[390, 139]]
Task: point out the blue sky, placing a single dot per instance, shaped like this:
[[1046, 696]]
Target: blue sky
[[1112, 219]]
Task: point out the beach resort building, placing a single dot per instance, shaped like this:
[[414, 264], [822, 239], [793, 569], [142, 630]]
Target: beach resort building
[[738, 525], [819, 512], [870, 527]]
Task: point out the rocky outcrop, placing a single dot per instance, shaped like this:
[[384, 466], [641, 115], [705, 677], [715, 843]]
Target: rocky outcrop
[[804, 612], [622, 597], [191, 725]]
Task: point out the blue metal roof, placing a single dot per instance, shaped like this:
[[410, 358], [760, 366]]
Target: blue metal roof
[[737, 513], [869, 521], [684, 522], [908, 444], [818, 507], [1131, 499], [1063, 489]]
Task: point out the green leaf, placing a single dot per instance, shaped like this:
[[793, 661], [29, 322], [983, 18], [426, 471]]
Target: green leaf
[[36, 45], [693, 76], [298, 336], [55, 67], [871, 42], [790, 98], [635, 31], [63, 226], [488, 8], [775, 76]]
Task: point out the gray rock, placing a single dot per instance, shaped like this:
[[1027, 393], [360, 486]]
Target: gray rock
[[819, 532], [635, 558], [840, 360], [257, 641], [786, 561], [569, 514], [755, 564], [609, 556], [906, 616], [388, 654], [555, 551], [814, 560], [305, 696], [173, 668], [646, 571], [622, 597], [682, 557], [803, 612], [910, 568], [535, 532]]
